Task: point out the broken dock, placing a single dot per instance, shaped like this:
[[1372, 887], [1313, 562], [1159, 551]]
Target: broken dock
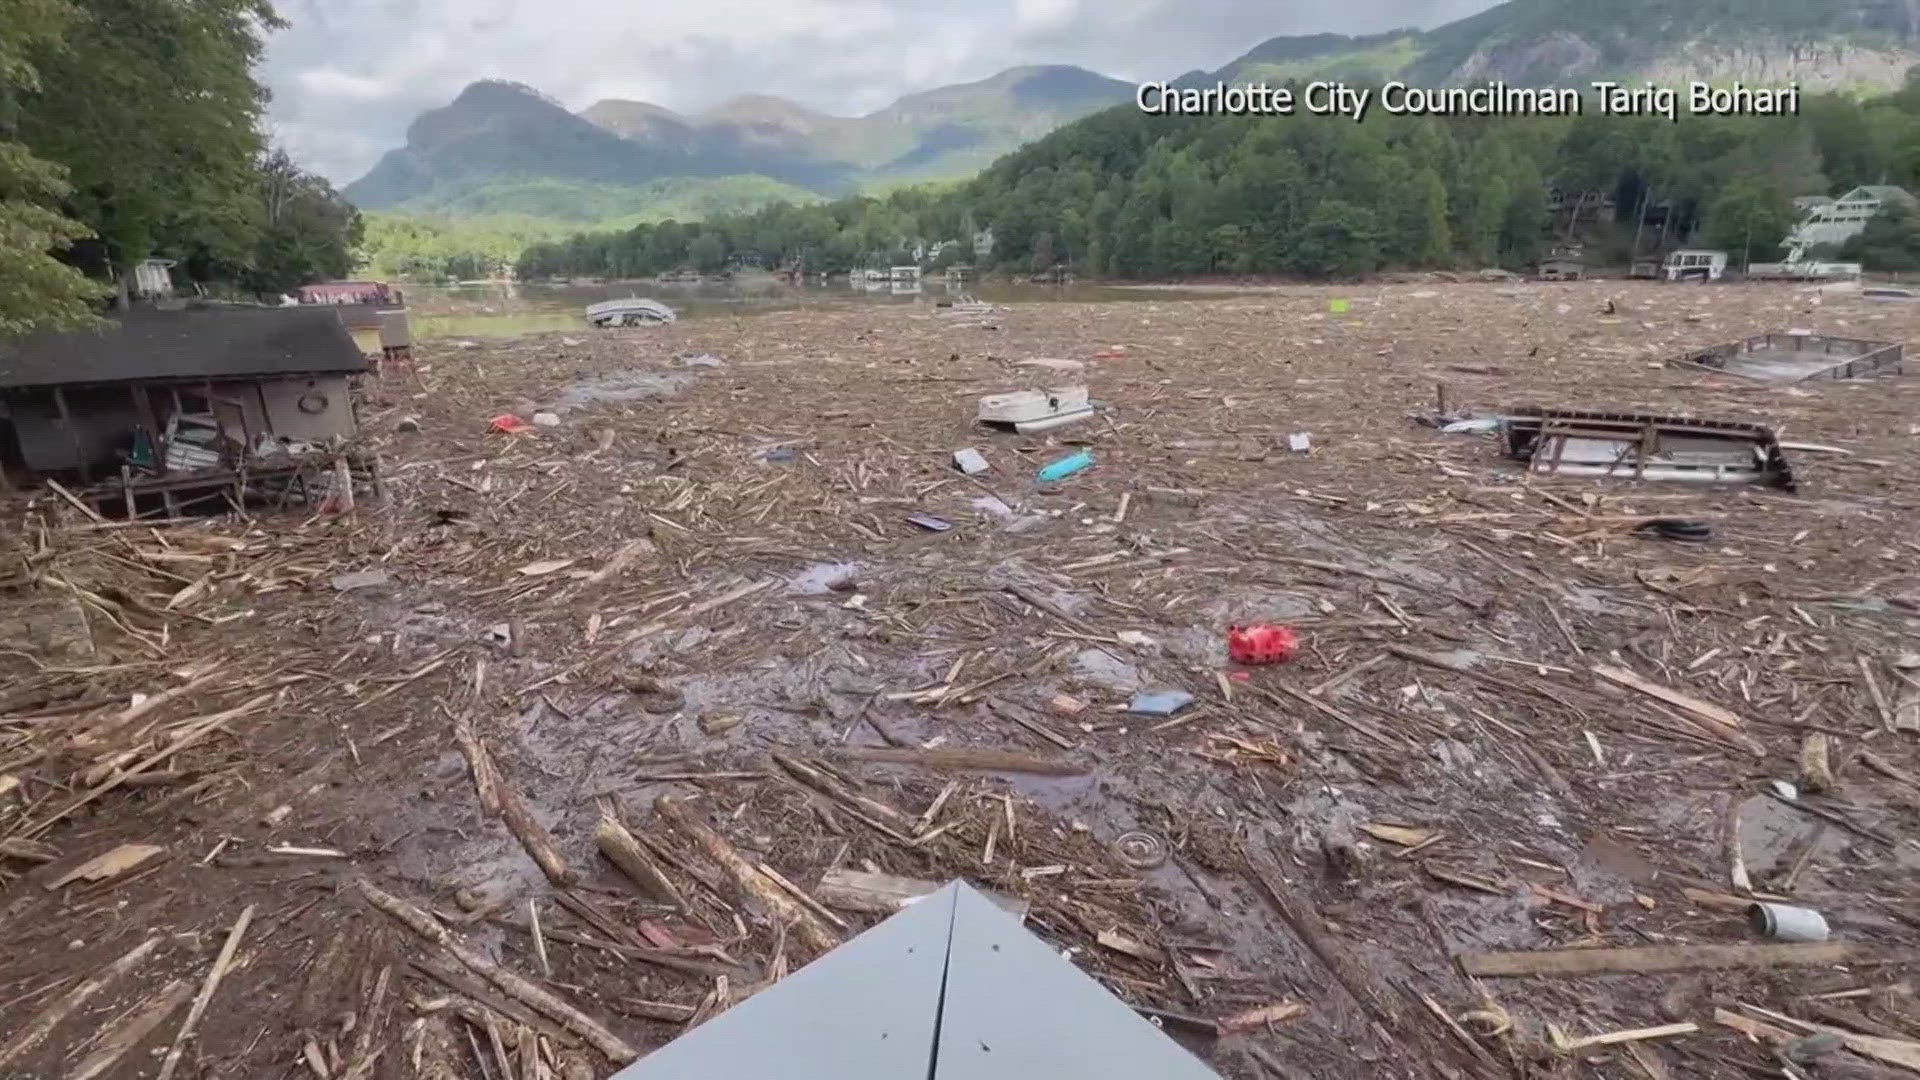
[[1795, 358]]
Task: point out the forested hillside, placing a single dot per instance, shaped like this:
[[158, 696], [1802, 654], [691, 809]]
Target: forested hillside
[[1127, 195]]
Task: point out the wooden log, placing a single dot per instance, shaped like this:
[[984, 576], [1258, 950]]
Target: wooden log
[[826, 785], [685, 965], [1661, 958], [807, 927], [509, 983], [42, 1025], [502, 799], [966, 759], [884, 894], [1305, 921], [534, 837], [486, 784], [463, 982], [625, 852]]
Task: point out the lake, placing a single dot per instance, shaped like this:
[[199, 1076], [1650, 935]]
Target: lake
[[509, 309]]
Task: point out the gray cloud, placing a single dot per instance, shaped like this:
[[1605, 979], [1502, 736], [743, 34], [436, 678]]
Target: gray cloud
[[348, 76]]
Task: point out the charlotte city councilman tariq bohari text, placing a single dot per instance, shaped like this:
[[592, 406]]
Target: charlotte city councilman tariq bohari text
[[1492, 99]]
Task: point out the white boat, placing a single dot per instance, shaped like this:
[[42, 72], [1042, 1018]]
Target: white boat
[[1032, 411], [629, 312]]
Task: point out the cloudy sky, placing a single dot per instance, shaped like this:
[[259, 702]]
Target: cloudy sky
[[348, 76]]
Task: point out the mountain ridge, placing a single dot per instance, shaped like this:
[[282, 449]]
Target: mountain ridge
[[1823, 44], [506, 134]]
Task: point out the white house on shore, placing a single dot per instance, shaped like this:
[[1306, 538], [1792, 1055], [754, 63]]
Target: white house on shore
[[152, 279], [1835, 221]]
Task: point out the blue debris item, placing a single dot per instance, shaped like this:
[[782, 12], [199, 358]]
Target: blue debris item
[[951, 988], [1066, 467], [930, 523], [1159, 702]]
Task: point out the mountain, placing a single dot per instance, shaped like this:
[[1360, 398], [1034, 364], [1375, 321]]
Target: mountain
[[1821, 44], [506, 148], [499, 146], [958, 130]]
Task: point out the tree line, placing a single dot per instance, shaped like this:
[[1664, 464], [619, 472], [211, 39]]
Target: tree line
[[131, 129], [1123, 194]]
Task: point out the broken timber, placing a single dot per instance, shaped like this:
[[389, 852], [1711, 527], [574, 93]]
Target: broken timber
[[751, 883], [511, 984], [1640, 446], [625, 852], [1661, 958]]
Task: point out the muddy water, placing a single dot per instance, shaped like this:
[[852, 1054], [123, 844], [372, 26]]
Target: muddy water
[[511, 309]]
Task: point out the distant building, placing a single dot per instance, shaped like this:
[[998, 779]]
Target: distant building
[[1561, 268], [1836, 221], [359, 302], [1573, 207], [983, 243], [345, 292], [152, 278]]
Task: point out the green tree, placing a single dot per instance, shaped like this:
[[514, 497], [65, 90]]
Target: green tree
[[1889, 243], [37, 290], [1422, 235], [1339, 240], [308, 232], [152, 108], [708, 253], [1748, 219]]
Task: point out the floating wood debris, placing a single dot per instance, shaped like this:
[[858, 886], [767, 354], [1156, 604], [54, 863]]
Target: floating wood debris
[[108, 864], [1661, 958]]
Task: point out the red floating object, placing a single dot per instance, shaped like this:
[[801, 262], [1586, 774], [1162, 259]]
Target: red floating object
[[1262, 643], [508, 424]]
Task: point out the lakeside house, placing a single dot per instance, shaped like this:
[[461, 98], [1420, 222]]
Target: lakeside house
[[1833, 222], [162, 401], [152, 279]]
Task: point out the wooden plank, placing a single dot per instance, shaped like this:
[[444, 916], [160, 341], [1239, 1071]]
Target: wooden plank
[[1614, 1038], [1705, 710], [1659, 958]]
